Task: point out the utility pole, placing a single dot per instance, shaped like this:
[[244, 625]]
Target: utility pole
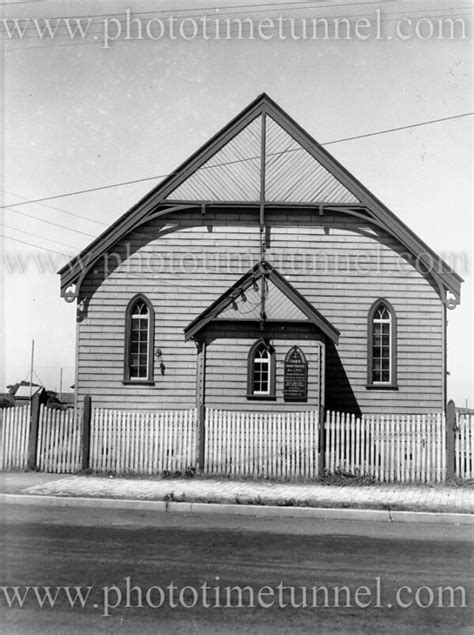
[[31, 366], [61, 384]]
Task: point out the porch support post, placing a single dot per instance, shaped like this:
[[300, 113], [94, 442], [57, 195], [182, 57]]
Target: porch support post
[[322, 414], [200, 403], [33, 434], [450, 434]]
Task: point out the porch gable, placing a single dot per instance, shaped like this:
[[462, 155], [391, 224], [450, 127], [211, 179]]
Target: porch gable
[[262, 295]]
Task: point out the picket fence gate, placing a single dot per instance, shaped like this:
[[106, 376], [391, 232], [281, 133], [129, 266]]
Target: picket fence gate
[[272, 445], [387, 448], [14, 432], [124, 442], [59, 441]]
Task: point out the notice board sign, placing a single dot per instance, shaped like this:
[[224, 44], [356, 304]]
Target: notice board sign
[[295, 385]]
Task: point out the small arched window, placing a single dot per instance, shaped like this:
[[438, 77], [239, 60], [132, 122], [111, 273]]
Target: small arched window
[[261, 371], [382, 346], [139, 331]]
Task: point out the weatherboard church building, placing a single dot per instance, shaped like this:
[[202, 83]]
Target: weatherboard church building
[[261, 275]]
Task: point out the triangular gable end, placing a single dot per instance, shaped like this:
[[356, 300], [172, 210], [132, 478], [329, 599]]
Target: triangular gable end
[[319, 175], [231, 305], [234, 172]]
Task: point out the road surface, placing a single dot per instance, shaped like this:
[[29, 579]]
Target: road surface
[[387, 576]]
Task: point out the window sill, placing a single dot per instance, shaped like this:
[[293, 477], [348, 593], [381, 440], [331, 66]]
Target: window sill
[[138, 382], [261, 397], [381, 387]]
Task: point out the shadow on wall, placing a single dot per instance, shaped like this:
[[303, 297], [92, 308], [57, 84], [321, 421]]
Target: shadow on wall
[[339, 394]]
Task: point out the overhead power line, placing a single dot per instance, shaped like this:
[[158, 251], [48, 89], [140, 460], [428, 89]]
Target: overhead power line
[[162, 176], [135, 232], [413, 125], [57, 209], [50, 240], [221, 14], [43, 220], [23, 242], [225, 10]]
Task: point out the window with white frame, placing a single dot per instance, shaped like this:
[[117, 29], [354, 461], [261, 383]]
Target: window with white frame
[[139, 341], [261, 370], [382, 345]]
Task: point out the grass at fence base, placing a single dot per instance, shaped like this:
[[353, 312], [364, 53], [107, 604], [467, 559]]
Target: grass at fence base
[[341, 479], [259, 501]]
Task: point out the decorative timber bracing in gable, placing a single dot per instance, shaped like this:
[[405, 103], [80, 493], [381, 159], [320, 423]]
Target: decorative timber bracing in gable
[[263, 160]]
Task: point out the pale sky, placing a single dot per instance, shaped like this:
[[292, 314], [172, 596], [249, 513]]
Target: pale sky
[[77, 116]]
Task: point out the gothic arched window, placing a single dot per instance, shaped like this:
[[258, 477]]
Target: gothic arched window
[[261, 370], [139, 331], [382, 346]]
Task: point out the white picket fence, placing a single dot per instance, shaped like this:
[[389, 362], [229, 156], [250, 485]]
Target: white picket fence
[[464, 447], [124, 442], [273, 445], [388, 448], [59, 441], [241, 444], [14, 429]]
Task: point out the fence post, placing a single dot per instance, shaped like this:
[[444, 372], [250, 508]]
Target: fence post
[[86, 431], [202, 437], [322, 439], [450, 439], [201, 403], [33, 433]]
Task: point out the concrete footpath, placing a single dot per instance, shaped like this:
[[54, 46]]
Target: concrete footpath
[[420, 503]]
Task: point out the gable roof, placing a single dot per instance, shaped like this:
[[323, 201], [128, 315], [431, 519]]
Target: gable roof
[[260, 157], [295, 307], [23, 391]]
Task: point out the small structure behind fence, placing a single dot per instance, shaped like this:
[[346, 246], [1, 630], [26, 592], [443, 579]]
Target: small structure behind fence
[[272, 444]]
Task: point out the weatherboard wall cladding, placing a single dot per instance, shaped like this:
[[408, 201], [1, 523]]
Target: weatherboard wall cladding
[[226, 369], [185, 263]]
